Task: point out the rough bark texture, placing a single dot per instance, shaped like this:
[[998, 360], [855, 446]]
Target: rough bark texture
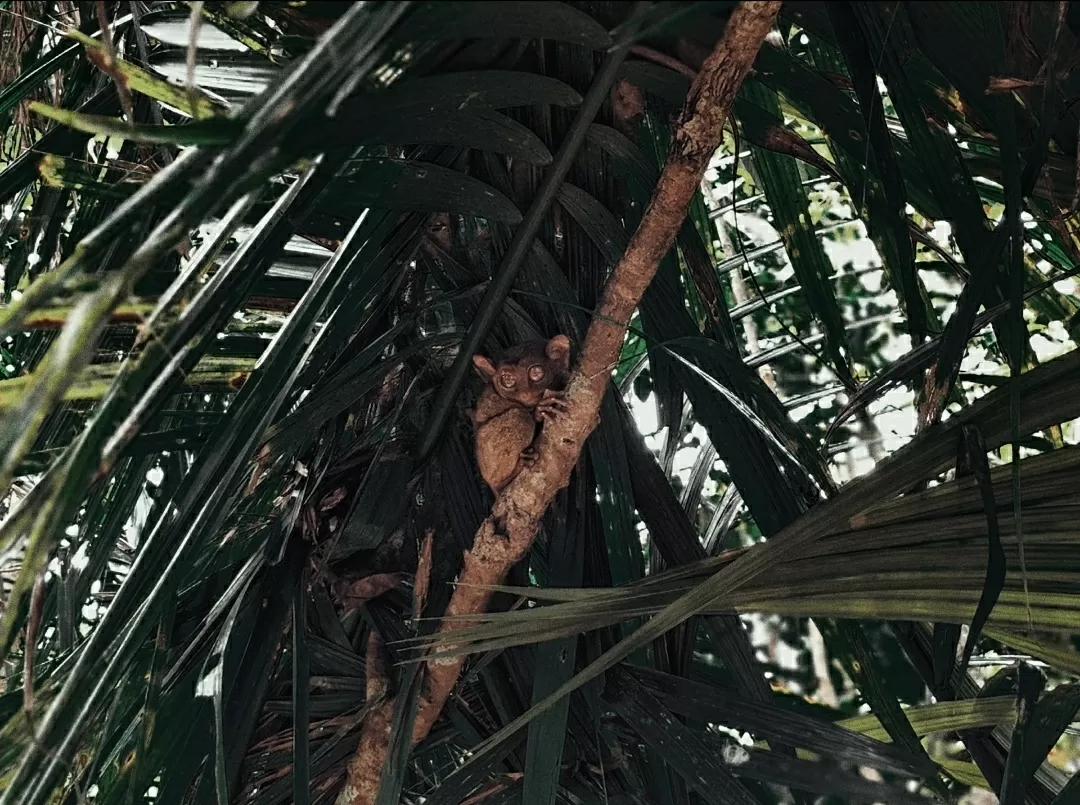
[[508, 533]]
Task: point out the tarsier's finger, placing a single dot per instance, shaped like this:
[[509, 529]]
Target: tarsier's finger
[[559, 403]]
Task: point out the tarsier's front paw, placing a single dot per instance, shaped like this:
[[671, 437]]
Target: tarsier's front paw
[[529, 456], [553, 404]]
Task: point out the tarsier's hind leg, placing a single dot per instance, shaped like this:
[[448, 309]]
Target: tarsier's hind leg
[[526, 459]]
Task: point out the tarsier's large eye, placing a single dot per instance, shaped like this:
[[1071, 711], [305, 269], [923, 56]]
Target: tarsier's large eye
[[507, 380], [537, 373]]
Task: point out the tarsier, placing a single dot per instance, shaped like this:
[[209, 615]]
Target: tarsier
[[524, 387]]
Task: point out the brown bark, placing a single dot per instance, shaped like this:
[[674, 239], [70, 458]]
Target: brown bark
[[508, 533]]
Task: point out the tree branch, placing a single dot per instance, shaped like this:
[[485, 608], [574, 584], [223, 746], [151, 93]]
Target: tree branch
[[508, 533]]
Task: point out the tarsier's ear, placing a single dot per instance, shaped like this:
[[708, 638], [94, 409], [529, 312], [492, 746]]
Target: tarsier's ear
[[558, 349], [484, 366]]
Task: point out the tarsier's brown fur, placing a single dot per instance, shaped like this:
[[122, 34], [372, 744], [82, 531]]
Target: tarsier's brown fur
[[525, 386]]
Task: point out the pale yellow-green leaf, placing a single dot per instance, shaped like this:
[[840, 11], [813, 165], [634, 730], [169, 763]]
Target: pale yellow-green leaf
[[191, 101], [94, 381], [118, 130]]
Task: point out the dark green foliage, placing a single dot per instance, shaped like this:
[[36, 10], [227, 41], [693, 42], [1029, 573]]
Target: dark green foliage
[[233, 380]]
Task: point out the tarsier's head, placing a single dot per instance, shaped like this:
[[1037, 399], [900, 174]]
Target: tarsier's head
[[523, 372]]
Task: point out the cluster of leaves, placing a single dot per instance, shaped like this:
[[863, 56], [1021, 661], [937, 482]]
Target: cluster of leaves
[[230, 409]]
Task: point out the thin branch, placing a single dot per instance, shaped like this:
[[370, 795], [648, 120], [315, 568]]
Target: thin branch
[[110, 64], [33, 626], [194, 28], [508, 533]]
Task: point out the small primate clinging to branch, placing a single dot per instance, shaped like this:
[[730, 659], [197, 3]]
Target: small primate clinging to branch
[[523, 387]]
